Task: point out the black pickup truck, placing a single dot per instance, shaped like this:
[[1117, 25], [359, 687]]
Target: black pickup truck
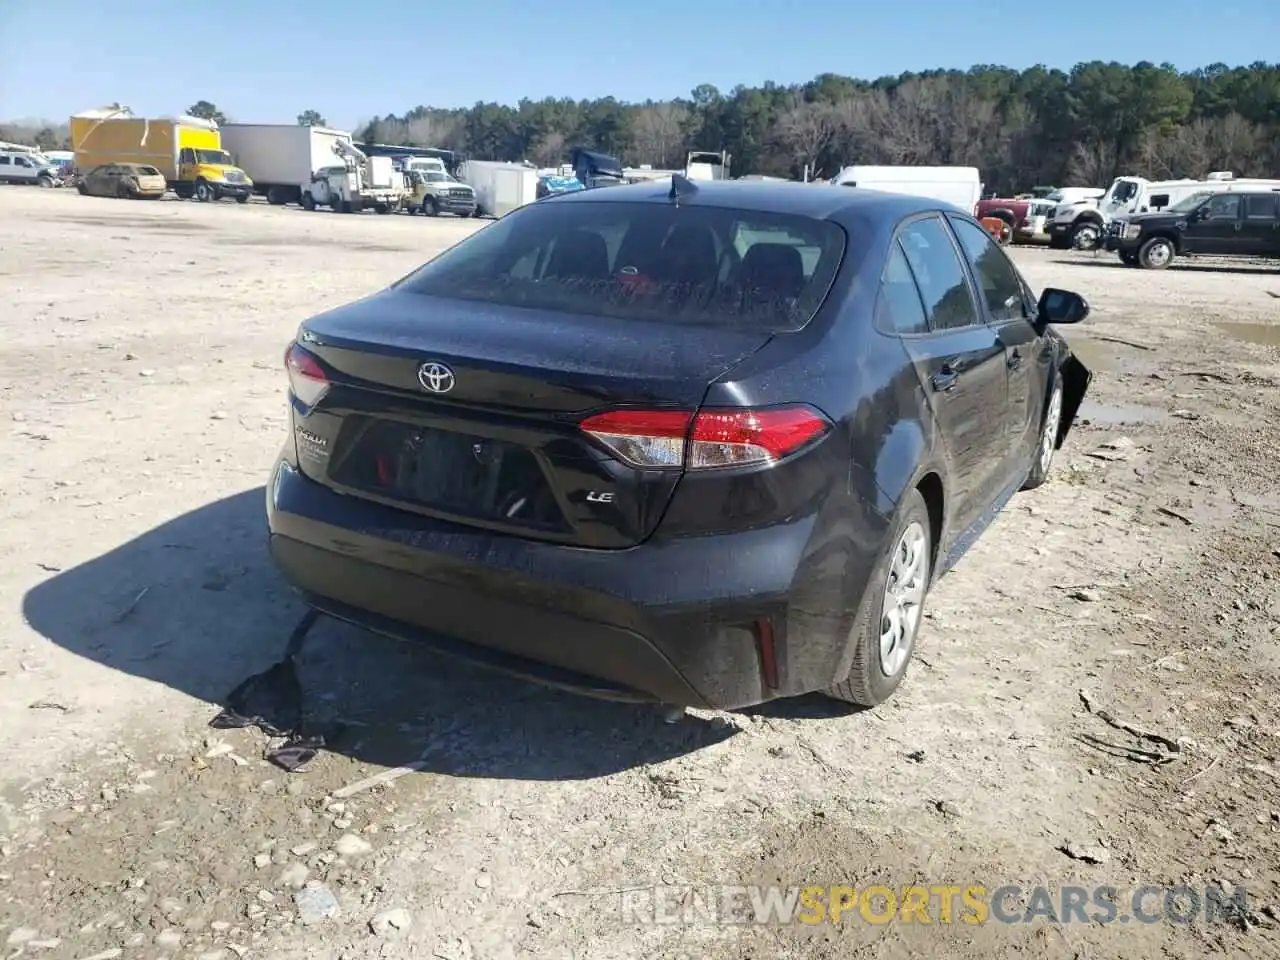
[[1214, 224]]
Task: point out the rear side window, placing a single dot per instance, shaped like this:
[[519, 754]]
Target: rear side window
[[1225, 206], [899, 307], [1260, 206], [1001, 287], [149, 171], [940, 275], [738, 269]]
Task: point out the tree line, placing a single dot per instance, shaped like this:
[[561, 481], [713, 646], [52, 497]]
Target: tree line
[[1081, 126]]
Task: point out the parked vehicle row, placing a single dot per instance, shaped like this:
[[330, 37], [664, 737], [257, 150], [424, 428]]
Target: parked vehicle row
[[1084, 223], [187, 152], [1025, 218]]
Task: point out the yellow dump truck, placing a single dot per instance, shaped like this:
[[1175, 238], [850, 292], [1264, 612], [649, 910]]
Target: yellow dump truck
[[188, 151]]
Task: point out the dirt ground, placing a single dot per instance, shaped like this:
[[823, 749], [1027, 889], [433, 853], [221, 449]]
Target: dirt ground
[[1134, 597]]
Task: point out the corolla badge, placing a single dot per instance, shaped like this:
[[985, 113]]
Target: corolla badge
[[436, 377]]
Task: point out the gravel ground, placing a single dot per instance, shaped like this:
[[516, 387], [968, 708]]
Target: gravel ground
[[1135, 597]]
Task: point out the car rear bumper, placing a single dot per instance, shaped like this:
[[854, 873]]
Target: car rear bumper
[[672, 622]]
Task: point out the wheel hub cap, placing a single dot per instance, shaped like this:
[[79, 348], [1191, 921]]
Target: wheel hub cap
[[904, 591], [1052, 418]]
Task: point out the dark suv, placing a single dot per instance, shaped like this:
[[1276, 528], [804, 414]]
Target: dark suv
[[1217, 224]]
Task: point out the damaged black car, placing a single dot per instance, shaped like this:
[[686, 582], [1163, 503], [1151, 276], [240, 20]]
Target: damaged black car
[[700, 443]]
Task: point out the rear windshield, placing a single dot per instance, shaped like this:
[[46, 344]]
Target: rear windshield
[[740, 269]]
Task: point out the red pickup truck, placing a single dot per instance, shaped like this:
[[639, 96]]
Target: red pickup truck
[[1023, 217]]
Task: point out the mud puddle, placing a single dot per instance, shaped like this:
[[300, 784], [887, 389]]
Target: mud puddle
[[1267, 334], [1113, 414]]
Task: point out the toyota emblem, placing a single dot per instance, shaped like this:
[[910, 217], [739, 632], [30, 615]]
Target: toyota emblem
[[435, 377]]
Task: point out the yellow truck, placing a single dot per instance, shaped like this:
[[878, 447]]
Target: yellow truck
[[188, 151]]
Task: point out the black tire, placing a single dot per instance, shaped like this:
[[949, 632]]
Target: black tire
[[1129, 259], [276, 197], [205, 192], [381, 208], [308, 202], [242, 198], [45, 182], [1059, 243], [1086, 235], [1050, 427], [82, 189], [1157, 253], [868, 683], [430, 207]]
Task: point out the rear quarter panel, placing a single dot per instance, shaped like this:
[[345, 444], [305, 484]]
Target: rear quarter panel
[[863, 381]]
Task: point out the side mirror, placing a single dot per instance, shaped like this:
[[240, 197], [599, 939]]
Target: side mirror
[[1203, 213], [1061, 306]]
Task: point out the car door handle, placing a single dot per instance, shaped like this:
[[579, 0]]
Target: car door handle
[[946, 377], [1015, 359]]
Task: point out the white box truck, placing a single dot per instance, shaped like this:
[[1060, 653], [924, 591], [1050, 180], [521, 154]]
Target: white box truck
[[959, 186], [281, 158], [500, 187]]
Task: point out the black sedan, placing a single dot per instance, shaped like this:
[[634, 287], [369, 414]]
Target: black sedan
[[706, 444]]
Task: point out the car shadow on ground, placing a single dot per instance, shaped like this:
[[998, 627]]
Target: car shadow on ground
[[196, 604], [1252, 270]]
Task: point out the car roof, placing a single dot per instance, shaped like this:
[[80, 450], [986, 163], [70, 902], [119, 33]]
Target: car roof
[[821, 202]]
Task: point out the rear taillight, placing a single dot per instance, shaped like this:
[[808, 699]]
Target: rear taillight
[[307, 379], [708, 439]]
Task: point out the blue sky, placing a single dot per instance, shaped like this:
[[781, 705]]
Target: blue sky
[[267, 61]]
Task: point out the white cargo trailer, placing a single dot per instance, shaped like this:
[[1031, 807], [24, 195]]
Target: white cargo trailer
[[280, 158], [500, 187]]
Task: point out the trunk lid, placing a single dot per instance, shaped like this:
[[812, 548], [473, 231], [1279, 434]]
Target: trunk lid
[[488, 436]]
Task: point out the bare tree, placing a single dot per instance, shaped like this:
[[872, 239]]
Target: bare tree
[[912, 123], [861, 122], [548, 150], [389, 131], [805, 130], [1093, 162], [658, 131], [967, 126], [432, 131]]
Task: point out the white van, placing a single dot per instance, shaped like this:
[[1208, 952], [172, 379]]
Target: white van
[[959, 186]]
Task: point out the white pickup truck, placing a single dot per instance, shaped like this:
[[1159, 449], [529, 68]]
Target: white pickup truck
[[1083, 224], [23, 165]]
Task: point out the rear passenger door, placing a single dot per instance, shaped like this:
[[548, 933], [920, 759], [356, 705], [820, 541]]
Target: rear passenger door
[[1262, 224], [1010, 310], [960, 363], [1221, 231]]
